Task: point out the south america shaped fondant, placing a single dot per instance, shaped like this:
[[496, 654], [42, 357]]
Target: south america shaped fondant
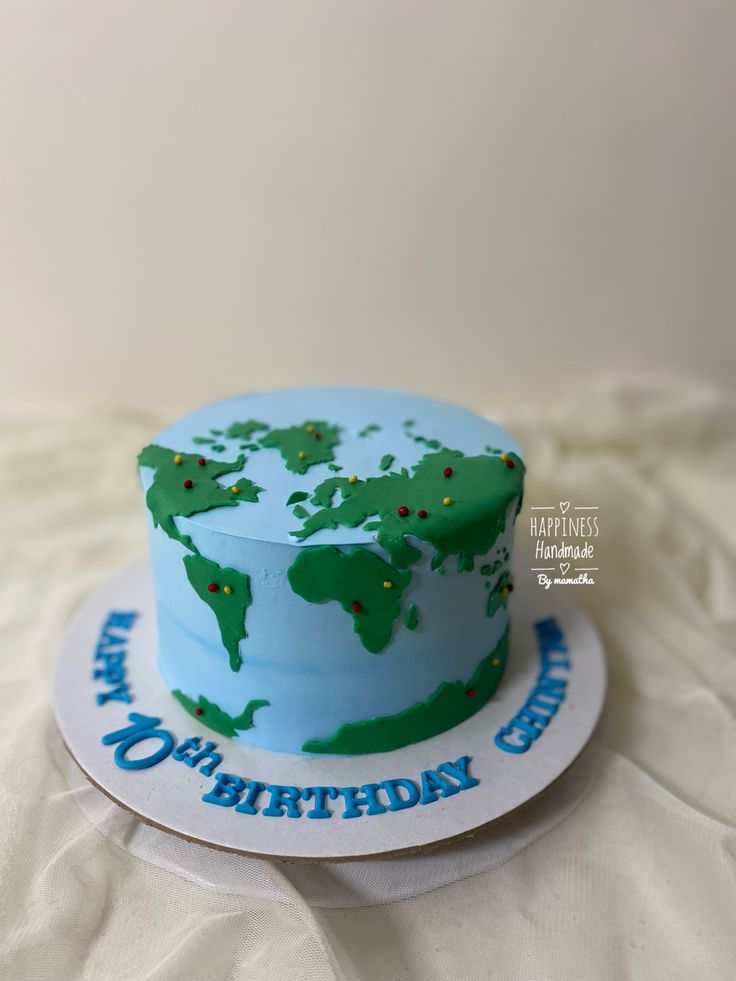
[[332, 565]]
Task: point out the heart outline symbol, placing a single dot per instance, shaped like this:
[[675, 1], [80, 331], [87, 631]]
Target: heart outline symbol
[[564, 566], [564, 506]]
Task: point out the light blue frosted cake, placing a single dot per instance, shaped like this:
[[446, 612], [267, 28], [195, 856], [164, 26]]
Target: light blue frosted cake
[[332, 565]]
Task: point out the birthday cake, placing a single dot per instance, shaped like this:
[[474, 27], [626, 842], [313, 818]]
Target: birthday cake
[[332, 566]]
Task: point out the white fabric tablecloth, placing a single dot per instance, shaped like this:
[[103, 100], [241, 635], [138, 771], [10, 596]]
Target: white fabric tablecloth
[[634, 876]]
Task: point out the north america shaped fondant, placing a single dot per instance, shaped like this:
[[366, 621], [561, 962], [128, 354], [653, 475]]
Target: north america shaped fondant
[[332, 565]]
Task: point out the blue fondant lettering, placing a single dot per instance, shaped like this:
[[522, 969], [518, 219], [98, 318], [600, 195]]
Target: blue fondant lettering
[[111, 651], [459, 771], [142, 763], [552, 647], [123, 620], [111, 658], [192, 759], [540, 701], [248, 805], [144, 727], [231, 790], [502, 740], [140, 724], [112, 674], [227, 790], [283, 797], [432, 784], [181, 752], [395, 801], [364, 797], [104, 652], [533, 718], [545, 698], [119, 694], [207, 752], [551, 687], [320, 795], [525, 727]]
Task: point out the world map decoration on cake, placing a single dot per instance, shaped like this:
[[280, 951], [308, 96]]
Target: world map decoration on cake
[[331, 566]]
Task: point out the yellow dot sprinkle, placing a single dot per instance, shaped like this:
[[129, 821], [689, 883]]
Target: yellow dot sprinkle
[[235, 489], [505, 591], [502, 457], [228, 590], [178, 458], [495, 662], [353, 478], [310, 428], [447, 500], [301, 454], [388, 584]]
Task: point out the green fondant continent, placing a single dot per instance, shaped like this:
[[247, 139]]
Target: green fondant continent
[[450, 704], [411, 619], [324, 492], [314, 439], [489, 570], [244, 430], [386, 461], [247, 490], [214, 717], [481, 488], [229, 608], [322, 572], [432, 444], [499, 595], [297, 497], [167, 497]]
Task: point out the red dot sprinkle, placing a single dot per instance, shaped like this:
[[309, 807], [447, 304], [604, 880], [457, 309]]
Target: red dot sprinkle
[[470, 692], [421, 513], [403, 511], [356, 607], [213, 587], [318, 435], [201, 461], [189, 484], [509, 463], [510, 587], [199, 711], [447, 472]]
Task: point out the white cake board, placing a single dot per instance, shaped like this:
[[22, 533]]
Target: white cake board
[[168, 795]]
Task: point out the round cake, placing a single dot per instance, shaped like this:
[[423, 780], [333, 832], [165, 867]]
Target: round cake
[[332, 565]]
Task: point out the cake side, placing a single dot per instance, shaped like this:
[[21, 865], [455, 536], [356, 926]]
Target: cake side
[[381, 619]]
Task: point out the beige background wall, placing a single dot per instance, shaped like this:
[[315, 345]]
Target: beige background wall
[[201, 198]]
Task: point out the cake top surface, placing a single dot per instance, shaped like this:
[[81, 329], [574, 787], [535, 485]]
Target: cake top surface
[[300, 466]]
